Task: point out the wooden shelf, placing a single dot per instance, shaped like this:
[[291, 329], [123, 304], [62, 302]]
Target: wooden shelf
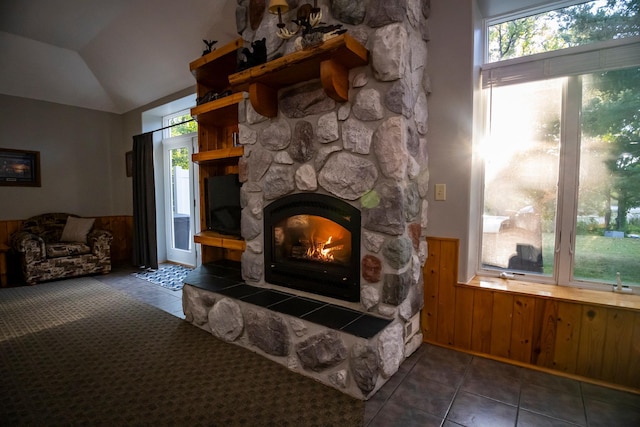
[[330, 61], [213, 155], [202, 112], [211, 238], [212, 69], [217, 124]]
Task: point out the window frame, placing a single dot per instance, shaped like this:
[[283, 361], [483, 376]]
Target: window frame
[[166, 123], [569, 63], [527, 12]]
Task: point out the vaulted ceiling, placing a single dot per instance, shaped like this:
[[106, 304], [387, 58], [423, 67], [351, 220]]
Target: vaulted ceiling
[[107, 55], [117, 55]]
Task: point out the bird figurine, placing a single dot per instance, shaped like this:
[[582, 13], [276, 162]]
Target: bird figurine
[[209, 44]]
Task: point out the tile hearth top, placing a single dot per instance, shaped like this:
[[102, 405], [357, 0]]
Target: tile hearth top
[[224, 277]]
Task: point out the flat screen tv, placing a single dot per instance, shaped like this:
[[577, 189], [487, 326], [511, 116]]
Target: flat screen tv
[[222, 204]]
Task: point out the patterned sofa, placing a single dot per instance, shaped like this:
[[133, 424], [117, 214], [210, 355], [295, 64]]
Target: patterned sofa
[[57, 245]]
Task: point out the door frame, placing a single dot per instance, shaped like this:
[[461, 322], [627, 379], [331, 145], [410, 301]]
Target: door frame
[[177, 255]]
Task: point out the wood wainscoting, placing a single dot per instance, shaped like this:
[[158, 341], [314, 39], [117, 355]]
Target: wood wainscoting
[[120, 226], [586, 338]]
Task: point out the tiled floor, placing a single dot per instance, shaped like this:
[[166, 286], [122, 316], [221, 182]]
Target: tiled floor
[[442, 387], [165, 299]]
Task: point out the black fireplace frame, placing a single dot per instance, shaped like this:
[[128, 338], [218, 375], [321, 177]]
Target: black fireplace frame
[[341, 282]]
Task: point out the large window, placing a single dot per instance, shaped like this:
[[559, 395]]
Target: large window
[[562, 156]]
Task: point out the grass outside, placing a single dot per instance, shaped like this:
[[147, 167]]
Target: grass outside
[[598, 258]]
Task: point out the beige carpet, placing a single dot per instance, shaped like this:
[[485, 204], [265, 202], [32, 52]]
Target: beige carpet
[[79, 352]]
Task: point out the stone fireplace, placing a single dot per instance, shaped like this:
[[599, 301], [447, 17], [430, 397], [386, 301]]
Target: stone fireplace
[[334, 210]]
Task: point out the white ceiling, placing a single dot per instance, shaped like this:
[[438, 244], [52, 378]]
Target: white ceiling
[[107, 55]]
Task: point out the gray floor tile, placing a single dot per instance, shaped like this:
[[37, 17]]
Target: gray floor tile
[[596, 392], [494, 380], [606, 414], [553, 382], [552, 403], [442, 365], [471, 410], [531, 419], [429, 396]]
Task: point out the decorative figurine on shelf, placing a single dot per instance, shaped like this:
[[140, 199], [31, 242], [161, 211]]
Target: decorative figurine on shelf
[[308, 22], [313, 36], [305, 15], [212, 96], [256, 56], [209, 44]]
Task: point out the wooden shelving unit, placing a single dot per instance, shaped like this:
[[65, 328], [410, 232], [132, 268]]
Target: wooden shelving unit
[[218, 119], [217, 154]]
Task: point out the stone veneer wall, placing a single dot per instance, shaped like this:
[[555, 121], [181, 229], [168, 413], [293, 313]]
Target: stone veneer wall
[[371, 152]]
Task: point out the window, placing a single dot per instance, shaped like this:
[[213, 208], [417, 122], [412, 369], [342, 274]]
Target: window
[[560, 28], [180, 123], [562, 154]]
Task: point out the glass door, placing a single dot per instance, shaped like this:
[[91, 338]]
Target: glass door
[[179, 200]]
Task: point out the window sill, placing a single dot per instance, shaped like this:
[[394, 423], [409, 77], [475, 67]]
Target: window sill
[[562, 293]]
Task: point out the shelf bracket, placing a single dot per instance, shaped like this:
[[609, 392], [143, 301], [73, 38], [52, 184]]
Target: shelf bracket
[[264, 99], [335, 80]]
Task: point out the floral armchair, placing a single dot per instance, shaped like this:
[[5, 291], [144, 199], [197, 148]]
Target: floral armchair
[[58, 245]]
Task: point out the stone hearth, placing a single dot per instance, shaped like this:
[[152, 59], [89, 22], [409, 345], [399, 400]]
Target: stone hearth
[[369, 152], [337, 345]]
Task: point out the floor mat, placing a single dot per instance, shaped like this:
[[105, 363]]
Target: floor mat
[[170, 276]]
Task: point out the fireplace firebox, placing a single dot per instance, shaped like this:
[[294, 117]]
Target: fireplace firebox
[[312, 243]]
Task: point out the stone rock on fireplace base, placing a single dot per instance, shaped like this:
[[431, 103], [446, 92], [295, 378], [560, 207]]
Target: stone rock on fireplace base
[[353, 352]]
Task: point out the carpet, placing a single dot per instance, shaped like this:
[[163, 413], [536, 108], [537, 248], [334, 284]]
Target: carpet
[[170, 276], [78, 352]]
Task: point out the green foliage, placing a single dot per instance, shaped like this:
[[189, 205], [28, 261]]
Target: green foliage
[[184, 128], [587, 23], [571, 26], [589, 226], [633, 227], [180, 157], [612, 114], [520, 37], [182, 125], [599, 258]]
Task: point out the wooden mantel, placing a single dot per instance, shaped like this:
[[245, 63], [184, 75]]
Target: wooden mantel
[[330, 61]]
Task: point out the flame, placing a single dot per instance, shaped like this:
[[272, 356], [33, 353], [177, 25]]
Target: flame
[[318, 251]]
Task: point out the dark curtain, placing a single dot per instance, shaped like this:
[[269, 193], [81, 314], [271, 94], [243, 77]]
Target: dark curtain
[[145, 239]]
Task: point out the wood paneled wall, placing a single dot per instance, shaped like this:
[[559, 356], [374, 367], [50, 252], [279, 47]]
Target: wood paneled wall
[[594, 341], [120, 226]]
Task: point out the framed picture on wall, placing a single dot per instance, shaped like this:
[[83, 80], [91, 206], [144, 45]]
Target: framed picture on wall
[[19, 168]]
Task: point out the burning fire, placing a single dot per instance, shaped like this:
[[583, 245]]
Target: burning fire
[[322, 251]]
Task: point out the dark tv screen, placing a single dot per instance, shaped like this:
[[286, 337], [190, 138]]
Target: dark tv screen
[[222, 199]]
